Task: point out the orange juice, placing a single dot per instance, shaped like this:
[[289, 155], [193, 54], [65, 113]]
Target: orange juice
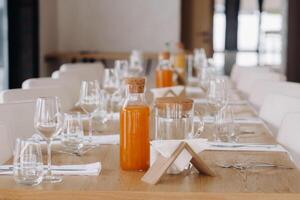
[[134, 137], [164, 78]]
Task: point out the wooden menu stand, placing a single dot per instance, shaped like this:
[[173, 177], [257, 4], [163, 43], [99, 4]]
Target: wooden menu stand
[[160, 166]]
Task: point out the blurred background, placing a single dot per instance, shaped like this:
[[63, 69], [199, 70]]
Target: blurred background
[[37, 36]]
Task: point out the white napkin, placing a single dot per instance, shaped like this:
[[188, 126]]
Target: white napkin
[[224, 146], [238, 120], [191, 90], [160, 92], [91, 169], [167, 147], [231, 102], [105, 139]]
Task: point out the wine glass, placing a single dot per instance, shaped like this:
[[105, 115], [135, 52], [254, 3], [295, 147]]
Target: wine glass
[[217, 95], [89, 100], [48, 122], [111, 85], [121, 67], [205, 75]]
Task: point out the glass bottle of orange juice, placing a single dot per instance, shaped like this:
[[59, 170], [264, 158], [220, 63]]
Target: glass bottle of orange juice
[[164, 74], [134, 127]]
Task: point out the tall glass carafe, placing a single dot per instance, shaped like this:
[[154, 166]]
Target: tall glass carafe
[[134, 127]]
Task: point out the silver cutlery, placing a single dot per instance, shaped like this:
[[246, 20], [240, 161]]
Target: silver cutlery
[[244, 166], [236, 145]]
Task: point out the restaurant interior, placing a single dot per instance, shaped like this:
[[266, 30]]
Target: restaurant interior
[[140, 99]]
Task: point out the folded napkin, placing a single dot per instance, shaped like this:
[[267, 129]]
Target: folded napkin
[[167, 91], [167, 147], [96, 139], [91, 169], [227, 146], [190, 90], [238, 120], [231, 102]]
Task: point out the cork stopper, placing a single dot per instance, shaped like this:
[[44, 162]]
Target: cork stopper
[[163, 102], [135, 84]]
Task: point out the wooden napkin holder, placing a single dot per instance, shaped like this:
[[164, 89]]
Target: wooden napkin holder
[[161, 165]]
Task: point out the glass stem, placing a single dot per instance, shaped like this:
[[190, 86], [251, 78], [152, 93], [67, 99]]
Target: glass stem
[[49, 172], [90, 126]]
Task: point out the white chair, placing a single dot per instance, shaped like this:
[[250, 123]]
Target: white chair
[[261, 88], [237, 70], [72, 88], [20, 95], [55, 74], [288, 135], [6, 147], [80, 72], [86, 66], [246, 81], [275, 107], [18, 118]]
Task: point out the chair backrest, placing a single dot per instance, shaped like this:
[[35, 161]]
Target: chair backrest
[[288, 135], [55, 74], [247, 80], [275, 107], [262, 88], [18, 118], [237, 71], [69, 86], [20, 95], [6, 145], [86, 66]]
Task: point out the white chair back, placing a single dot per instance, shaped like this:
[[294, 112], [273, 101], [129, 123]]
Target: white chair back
[[72, 88], [20, 95], [237, 70], [261, 88], [86, 66], [18, 118], [275, 107], [6, 146], [248, 79], [288, 135]]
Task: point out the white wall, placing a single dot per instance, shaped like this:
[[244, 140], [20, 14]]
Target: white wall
[[48, 30], [117, 25], [107, 25]]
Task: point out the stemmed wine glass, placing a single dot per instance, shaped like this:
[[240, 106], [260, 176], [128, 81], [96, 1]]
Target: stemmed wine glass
[[111, 84], [89, 100], [48, 122], [217, 96]]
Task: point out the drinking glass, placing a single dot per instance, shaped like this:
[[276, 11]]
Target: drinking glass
[[205, 75], [89, 100], [121, 67], [48, 122], [136, 63], [111, 85], [73, 132], [217, 95], [28, 162], [225, 127]]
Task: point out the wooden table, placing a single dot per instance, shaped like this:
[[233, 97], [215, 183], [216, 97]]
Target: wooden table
[[113, 183]]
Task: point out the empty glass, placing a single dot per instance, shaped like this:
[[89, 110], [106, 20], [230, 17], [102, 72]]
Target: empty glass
[[111, 81], [48, 122], [28, 162], [89, 100], [122, 66], [73, 132], [226, 131], [136, 63], [217, 95]]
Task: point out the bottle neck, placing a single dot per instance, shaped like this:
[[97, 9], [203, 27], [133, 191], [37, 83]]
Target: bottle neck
[[164, 64]]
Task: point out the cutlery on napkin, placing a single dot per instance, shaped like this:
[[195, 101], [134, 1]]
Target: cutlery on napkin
[[91, 169], [239, 120], [231, 102], [223, 146]]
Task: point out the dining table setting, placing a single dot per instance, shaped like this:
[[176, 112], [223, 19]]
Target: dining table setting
[[168, 133]]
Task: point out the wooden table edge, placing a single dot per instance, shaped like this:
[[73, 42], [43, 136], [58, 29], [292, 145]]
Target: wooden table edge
[[24, 194]]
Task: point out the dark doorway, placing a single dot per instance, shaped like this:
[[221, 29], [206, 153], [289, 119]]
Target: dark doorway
[[23, 40]]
